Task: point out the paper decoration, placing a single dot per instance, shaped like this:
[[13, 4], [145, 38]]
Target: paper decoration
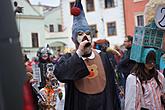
[[160, 17]]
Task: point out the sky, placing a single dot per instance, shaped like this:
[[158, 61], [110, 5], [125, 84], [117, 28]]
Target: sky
[[46, 2]]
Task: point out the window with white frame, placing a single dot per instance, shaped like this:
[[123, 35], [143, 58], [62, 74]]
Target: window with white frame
[[34, 39], [90, 5], [51, 28], [109, 3], [59, 28], [111, 28], [93, 29], [140, 20]]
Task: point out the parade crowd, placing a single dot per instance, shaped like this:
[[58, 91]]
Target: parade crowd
[[94, 76]]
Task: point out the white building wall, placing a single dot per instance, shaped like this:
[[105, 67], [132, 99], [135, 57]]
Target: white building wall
[[55, 38], [30, 21], [67, 21], [115, 14], [53, 17], [28, 26]]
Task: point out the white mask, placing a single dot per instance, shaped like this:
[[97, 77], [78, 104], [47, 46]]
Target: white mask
[[81, 36]]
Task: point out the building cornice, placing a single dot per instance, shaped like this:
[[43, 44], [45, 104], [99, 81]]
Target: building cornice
[[29, 17], [56, 38]]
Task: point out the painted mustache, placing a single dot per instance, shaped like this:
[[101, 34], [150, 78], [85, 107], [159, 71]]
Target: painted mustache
[[87, 44]]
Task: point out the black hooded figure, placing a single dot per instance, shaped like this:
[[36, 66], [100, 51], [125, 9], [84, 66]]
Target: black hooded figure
[[89, 77]]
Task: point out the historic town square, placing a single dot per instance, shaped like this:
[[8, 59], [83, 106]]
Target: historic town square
[[82, 55]]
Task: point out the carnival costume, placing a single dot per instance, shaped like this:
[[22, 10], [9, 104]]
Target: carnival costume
[[89, 79]]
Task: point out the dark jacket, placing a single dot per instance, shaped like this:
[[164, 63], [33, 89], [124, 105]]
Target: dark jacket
[[125, 65]]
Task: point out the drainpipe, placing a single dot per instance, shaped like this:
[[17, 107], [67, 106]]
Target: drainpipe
[[124, 18]]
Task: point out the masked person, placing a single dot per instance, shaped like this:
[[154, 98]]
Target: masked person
[[145, 85], [88, 74], [40, 68]]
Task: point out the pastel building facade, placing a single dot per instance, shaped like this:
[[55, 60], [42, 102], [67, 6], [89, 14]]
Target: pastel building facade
[[134, 14]]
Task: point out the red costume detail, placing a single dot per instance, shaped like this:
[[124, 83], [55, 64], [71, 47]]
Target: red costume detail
[[28, 98], [75, 11]]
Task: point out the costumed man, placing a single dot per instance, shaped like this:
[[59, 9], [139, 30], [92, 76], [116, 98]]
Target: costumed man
[[88, 74], [40, 69], [48, 88]]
